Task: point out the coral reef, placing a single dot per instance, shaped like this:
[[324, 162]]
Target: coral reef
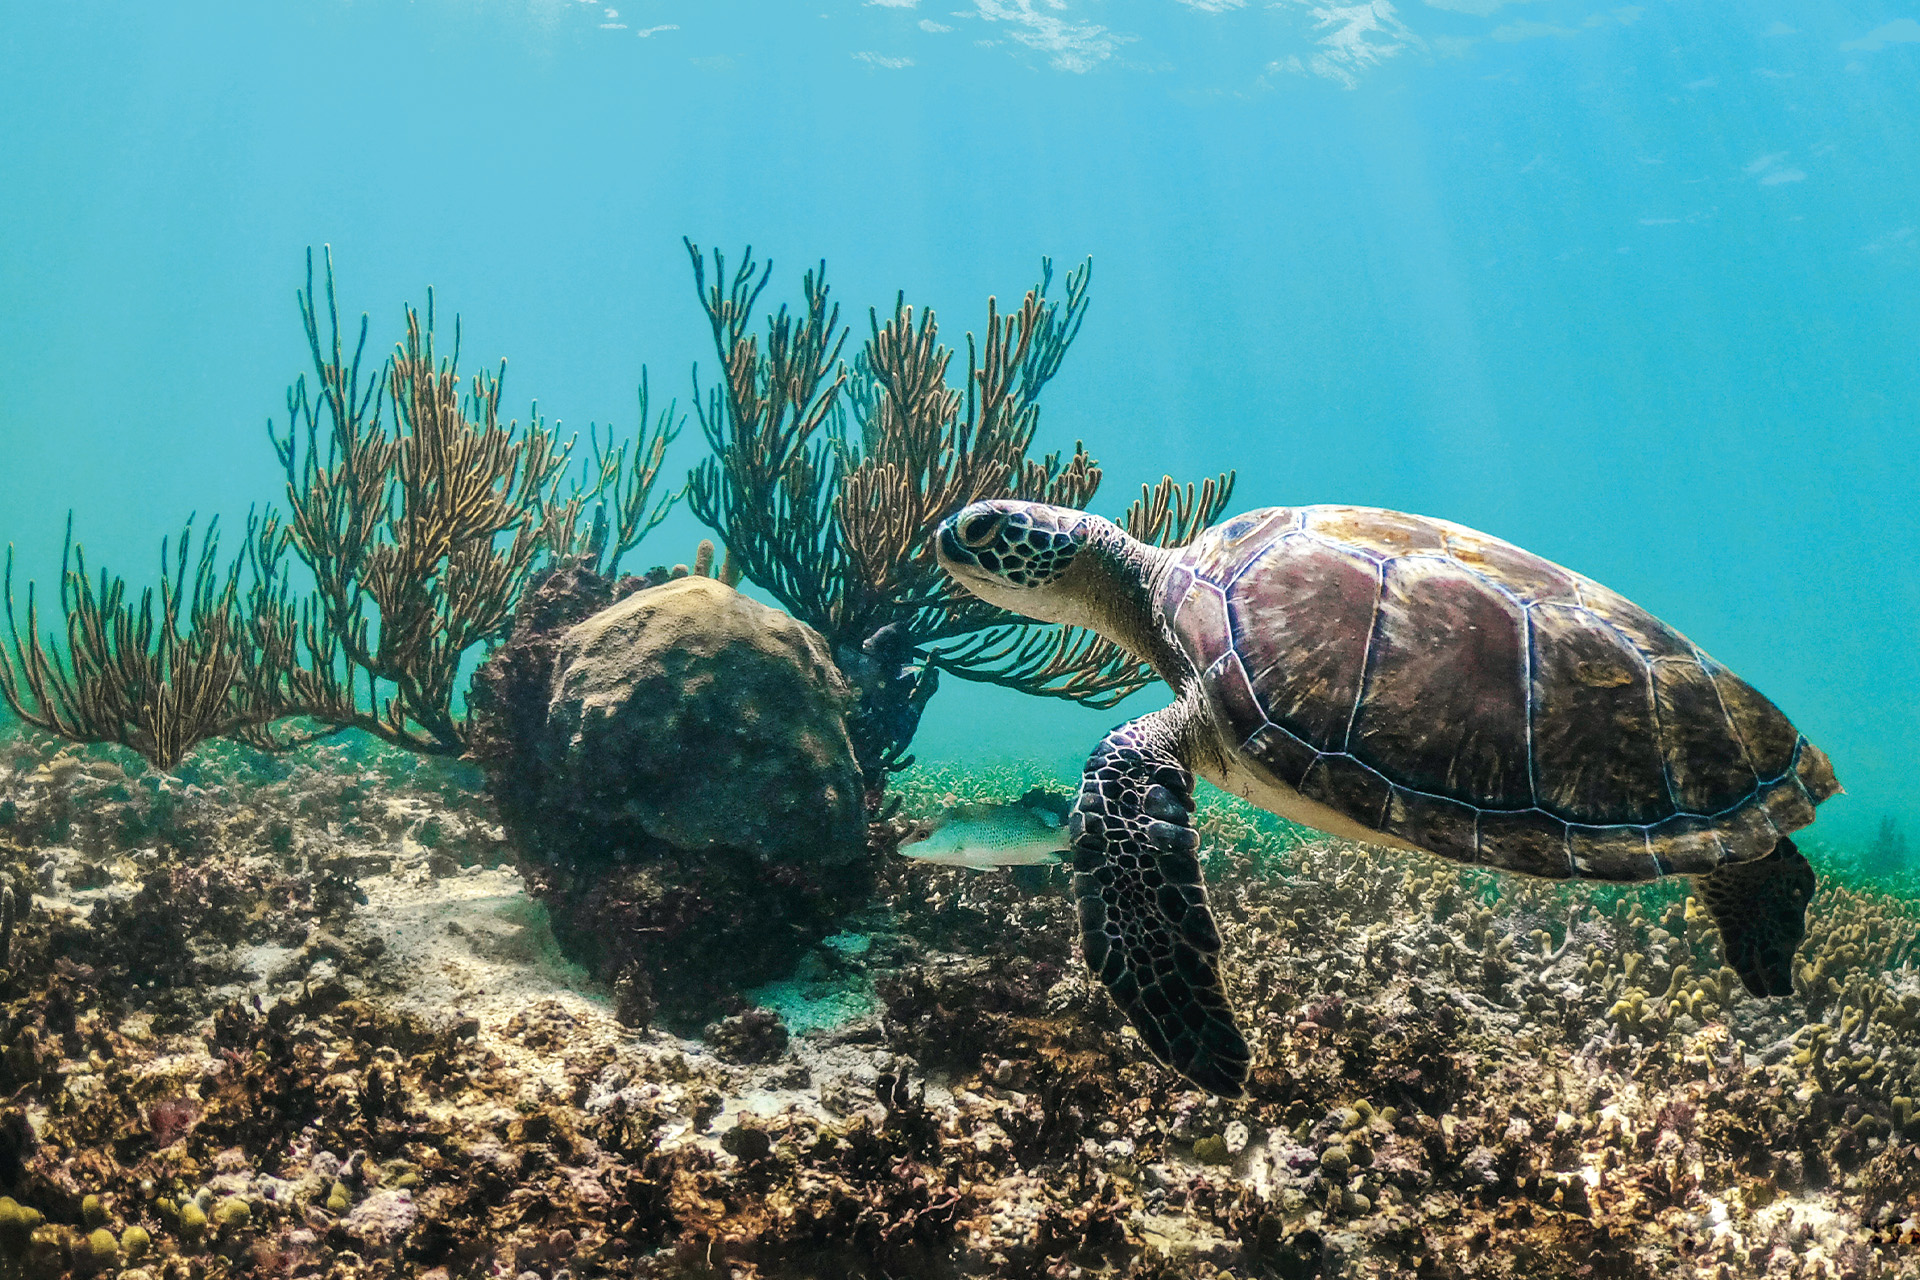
[[415, 518], [297, 1016]]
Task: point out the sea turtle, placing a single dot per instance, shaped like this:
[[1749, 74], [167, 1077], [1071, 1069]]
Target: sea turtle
[[1402, 681]]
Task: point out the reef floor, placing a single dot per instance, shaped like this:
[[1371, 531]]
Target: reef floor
[[298, 1017]]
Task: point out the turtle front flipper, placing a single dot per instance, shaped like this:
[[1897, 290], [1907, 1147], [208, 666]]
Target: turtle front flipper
[[1761, 908], [1144, 923]]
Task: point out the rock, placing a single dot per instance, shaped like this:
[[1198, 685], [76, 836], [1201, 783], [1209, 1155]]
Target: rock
[[758, 1035], [1212, 1150], [675, 772], [382, 1216], [1289, 1157], [746, 1143], [511, 688], [1481, 1165], [709, 720]]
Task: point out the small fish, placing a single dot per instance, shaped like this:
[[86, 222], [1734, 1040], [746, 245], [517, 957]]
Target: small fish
[[1030, 832]]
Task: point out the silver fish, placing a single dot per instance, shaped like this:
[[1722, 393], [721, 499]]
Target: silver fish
[[1030, 832]]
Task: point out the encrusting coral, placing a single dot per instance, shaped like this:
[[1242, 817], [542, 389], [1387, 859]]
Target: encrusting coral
[[413, 1087]]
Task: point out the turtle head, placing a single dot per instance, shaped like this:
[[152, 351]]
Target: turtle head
[[1045, 563], [1056, 564], [1014, 554]]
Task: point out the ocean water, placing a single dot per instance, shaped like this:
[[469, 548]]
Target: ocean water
[[1633, 286]]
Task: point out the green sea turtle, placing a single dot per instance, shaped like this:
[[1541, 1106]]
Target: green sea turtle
[[1402, 681]]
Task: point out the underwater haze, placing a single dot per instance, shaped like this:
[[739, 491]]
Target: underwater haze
[[562, 866], [1635, 287]]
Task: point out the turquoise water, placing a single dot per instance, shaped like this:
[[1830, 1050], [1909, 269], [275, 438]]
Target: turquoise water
[[1636, 287]]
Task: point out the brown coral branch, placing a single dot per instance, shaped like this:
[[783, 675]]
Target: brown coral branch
[[157, 676], [629, 481], [419, 528], [768, 487], [1170, 514], [420, 538], [836, 523]]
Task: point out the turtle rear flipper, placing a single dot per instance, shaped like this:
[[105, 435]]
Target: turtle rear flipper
[[1144, 923], [1761, 908]]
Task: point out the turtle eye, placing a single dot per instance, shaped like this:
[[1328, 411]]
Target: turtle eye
[[978, 530]]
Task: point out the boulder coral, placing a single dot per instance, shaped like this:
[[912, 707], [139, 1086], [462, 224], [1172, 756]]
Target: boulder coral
[[693, 716], [677, 771]]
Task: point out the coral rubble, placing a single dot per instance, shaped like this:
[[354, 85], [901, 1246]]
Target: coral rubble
[[300, 1017]]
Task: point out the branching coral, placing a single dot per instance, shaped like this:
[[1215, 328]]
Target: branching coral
[[629, 484], [828, 476], [157, 676], [419, 538], [417, 514]]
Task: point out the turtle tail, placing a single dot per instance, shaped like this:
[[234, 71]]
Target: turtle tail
[[1761, 908]]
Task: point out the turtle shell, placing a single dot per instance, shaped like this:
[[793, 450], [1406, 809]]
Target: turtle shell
[[1453, 692]]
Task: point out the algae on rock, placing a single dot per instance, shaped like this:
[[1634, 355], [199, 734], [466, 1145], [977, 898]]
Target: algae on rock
[[708, 719]]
